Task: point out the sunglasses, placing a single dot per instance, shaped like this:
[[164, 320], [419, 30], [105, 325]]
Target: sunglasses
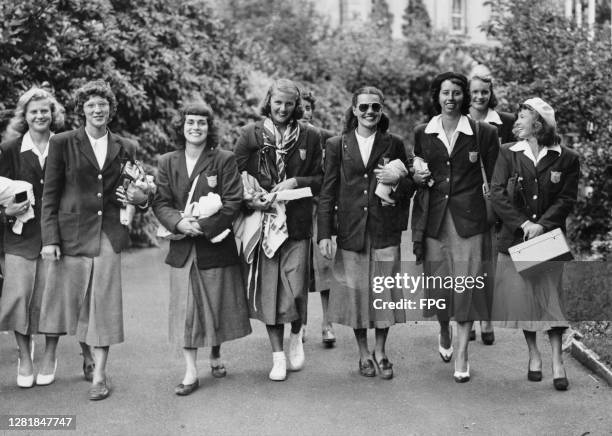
[[376, 107]]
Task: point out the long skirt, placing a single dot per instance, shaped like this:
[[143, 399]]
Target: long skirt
[[22, 294], [453, 259], [530, 303], [278, 287], [352, 300], [489, 256], [207, 306], [83, 296], [322, 268]]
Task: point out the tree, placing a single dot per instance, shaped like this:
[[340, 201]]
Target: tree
[[381, 18], [416, 18]]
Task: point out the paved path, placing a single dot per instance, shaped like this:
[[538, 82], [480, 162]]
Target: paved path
[[328, 397]]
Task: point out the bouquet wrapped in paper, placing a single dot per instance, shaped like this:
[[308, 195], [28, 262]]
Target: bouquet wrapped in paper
[[133, 174]]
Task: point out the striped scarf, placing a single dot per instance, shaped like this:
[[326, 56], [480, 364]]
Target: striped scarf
[[282, 143]]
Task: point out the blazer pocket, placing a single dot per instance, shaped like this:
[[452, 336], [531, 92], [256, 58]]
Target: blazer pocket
[[68, 226]]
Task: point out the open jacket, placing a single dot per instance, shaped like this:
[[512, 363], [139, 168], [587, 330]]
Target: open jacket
[[79, 201], [348, 191], [218, 173], [544, 193], [24, 166], [303, 163]]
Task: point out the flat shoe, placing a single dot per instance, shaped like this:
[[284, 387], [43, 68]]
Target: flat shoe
[[218, 371], [488, 338], [100, 390], [384, 367], [366, 368], [328, 337], [46, 379], [88, 370], [184, 390]]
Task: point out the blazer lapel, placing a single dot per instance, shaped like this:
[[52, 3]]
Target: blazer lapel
[[201, 164], [86, 148], [525, 162], [548, 160], [380, 146], [352, 148], [462, 142], [30, 159], [112, 150]]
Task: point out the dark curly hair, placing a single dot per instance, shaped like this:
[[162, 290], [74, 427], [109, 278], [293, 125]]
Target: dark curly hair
[[98, 88], [202, 109], [456, 78], [310, 98], [350, 120], [283, 85], [488, 81]]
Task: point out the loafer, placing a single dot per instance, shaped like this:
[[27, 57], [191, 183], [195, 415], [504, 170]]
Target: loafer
[[328, 337], [184, 390], [218, 371], [367, 368], [46, 379], [88, 370], [99, 391], [487, 338], [445, 353], [462, 377], [384, 367]]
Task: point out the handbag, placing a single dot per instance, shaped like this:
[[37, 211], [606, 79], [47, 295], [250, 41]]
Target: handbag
[[163, 232], [530, 256], [486, 188]]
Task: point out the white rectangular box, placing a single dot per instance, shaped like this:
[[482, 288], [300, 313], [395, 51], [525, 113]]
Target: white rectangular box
[[550, 246]]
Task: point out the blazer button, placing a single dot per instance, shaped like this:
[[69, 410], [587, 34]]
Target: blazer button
[[365, 208], [365, 176], [99, 176], [535, 197], [534, 216], [99, 195], [446, 196], [42, 181], [448, 162], [99, 213], [365, 191], [448, 179]]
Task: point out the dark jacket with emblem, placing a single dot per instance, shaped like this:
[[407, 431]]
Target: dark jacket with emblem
[[457, 180], [544, 194], [303, 163], [218, 173], [79, 201], [23, 166], [348, 190]]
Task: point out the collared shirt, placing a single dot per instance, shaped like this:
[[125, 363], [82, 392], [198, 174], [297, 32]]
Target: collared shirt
[[27, 144], [190, 162], [365, 146], [100, 146], [526, 149], [435, 126], [492, 117]]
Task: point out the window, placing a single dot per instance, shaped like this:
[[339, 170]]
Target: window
[[458, 16]]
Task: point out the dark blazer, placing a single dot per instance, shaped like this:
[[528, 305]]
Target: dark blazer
[[549, 191], [457, 179], [79, 201], [349, 186], [504, 131], [303, 163], [23, 166], [219, 174]]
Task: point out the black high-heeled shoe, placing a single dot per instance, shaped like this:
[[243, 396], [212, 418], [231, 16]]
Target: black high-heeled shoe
[[534, 376], [561, 383]]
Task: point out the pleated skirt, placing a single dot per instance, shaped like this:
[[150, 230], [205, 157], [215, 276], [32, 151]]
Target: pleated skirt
[[352, 299], [83, 297], [207, 306], [22, 294]]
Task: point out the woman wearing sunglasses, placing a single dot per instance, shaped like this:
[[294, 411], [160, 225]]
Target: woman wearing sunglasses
[[369, 228], [453, 211]]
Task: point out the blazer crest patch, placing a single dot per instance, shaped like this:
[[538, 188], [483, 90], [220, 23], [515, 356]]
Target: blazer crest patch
[[555, 176], [212, 181], [473, 155], [302, 153]]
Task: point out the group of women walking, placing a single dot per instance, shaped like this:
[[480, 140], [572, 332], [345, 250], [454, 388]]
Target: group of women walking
[[241, 226]]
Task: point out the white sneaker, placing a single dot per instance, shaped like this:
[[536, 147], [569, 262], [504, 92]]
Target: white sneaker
[[296, 351], [279, 368]]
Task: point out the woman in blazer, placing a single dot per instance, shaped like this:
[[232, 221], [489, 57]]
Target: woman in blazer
[[369, 228], [208, 303], [23, 158], [482, 108], [82, 232], [453, 210], [534, 188], [279, 153]]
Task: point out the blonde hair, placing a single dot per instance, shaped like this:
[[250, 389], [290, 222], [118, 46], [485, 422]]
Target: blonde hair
[[17, 125]]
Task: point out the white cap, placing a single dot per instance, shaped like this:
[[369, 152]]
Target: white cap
[[542, 108]]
